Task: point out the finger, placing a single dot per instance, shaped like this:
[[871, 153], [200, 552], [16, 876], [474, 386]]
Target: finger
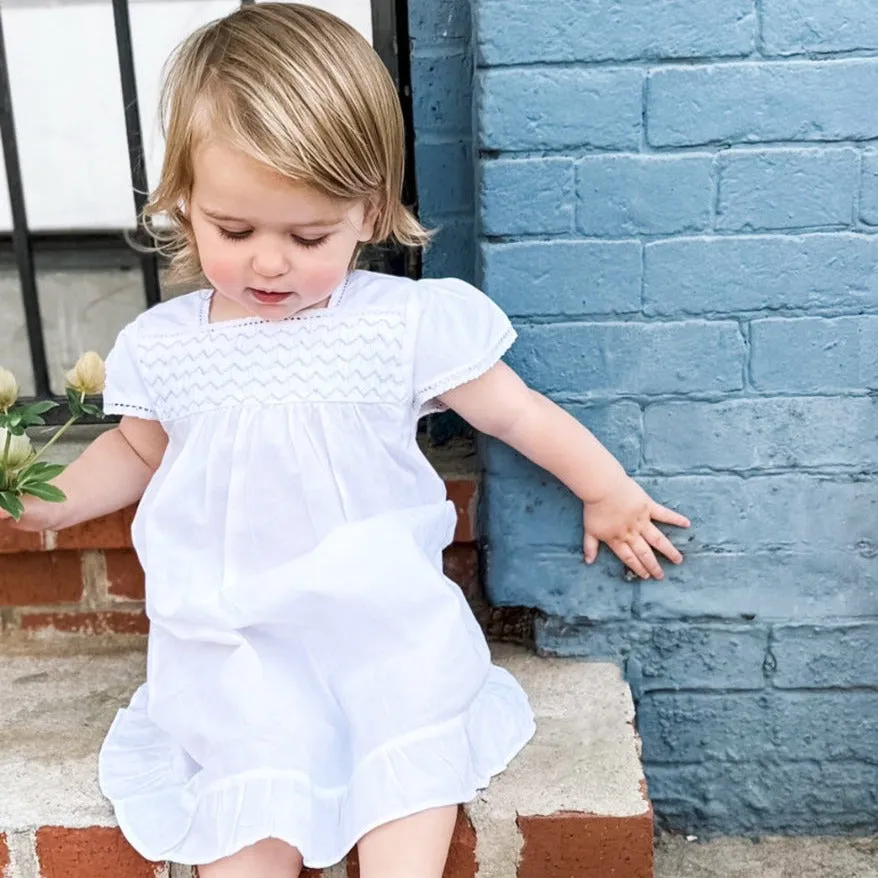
[[592, 545], [667, 516], [646, 556], [626, 555], [661, 543]]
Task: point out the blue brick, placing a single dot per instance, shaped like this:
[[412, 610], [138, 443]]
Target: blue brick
[[594, 359], [441, 104], [536, 510], [528, 507], [787, 189], [728, 275], [570, 278], [533, 509], [452, 250], [527, 196], [738, 103], [623, 195], [748, 586], [825, 655], [554, 109], [791, 27], [438, 21], [746, 727], [445, 178], [815, 355], [753, 434], [766, 586], [671, 656], [734, 514], [755, 798], [512, 32], [558, 583], [869, 189]]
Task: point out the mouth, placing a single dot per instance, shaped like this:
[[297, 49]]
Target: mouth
[[269, 297]]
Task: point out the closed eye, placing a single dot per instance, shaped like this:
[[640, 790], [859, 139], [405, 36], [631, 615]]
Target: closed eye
[[234, 236], [306, 243], [309, 243]]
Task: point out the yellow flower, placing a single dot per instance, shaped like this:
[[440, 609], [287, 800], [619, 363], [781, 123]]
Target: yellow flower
[[8, 390], [88, 375], [20, 450]]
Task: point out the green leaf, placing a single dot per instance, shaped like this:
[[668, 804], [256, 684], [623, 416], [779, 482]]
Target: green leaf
[[44, 492], [94, 410], [39, 408], [40, 472], [31, 415], [11, 504], [14, 418]]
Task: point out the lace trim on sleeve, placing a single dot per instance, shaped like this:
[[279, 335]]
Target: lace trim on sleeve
[[425, 397]]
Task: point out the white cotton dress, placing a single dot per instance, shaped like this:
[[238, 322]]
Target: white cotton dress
[[312, 674]]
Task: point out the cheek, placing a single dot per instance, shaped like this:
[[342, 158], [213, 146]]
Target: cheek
[[325, 277], [220, 263], [324, 270], [221, 270]]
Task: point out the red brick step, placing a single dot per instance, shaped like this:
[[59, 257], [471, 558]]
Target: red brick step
[[573, 805], [87, 579]]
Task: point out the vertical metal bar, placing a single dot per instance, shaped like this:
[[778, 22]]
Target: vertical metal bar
[[404, 85], [390, 37], [20, 235], [148, 261]]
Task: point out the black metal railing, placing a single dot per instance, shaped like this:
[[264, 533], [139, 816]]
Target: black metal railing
[[21, 239], [139, 184], [390, 28]]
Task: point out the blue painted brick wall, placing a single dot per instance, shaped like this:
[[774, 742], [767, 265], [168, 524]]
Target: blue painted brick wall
[[441, 34], [678, 205], [442, 75]]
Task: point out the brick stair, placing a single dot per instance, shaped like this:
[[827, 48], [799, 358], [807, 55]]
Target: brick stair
[[573, 805], [87, 579], [72, 642]]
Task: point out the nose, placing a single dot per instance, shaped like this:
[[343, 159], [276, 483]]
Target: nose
[[270, 259]]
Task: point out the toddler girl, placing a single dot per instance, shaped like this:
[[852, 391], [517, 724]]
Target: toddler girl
[[314, 682]]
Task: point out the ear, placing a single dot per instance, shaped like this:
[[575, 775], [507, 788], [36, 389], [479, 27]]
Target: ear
[[183, 207], [182, 218], [370, 219]]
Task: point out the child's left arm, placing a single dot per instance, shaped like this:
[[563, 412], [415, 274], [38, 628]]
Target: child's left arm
[[617, 510]]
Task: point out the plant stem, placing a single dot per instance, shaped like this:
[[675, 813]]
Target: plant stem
[[3, 468], [53, 440]]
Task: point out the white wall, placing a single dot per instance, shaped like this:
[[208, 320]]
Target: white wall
[[67, 100]]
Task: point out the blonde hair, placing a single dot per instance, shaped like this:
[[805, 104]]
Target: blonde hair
[[297, 90]]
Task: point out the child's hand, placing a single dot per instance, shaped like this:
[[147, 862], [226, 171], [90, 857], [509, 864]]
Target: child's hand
[[38, 516], [623, 519]]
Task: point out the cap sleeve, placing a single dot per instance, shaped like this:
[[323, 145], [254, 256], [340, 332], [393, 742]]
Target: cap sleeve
[[125, 392], [461, 335]]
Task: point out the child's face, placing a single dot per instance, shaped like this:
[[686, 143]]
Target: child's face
[[270, 248]]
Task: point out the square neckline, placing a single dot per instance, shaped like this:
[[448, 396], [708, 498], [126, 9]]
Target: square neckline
[[335, 300]]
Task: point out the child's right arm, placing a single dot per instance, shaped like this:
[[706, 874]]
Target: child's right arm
[[110, 474]]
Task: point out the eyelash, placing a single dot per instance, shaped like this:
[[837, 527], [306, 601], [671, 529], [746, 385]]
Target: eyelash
[[307, 243]]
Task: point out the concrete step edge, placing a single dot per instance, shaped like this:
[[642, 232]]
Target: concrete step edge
[[572, 805]]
